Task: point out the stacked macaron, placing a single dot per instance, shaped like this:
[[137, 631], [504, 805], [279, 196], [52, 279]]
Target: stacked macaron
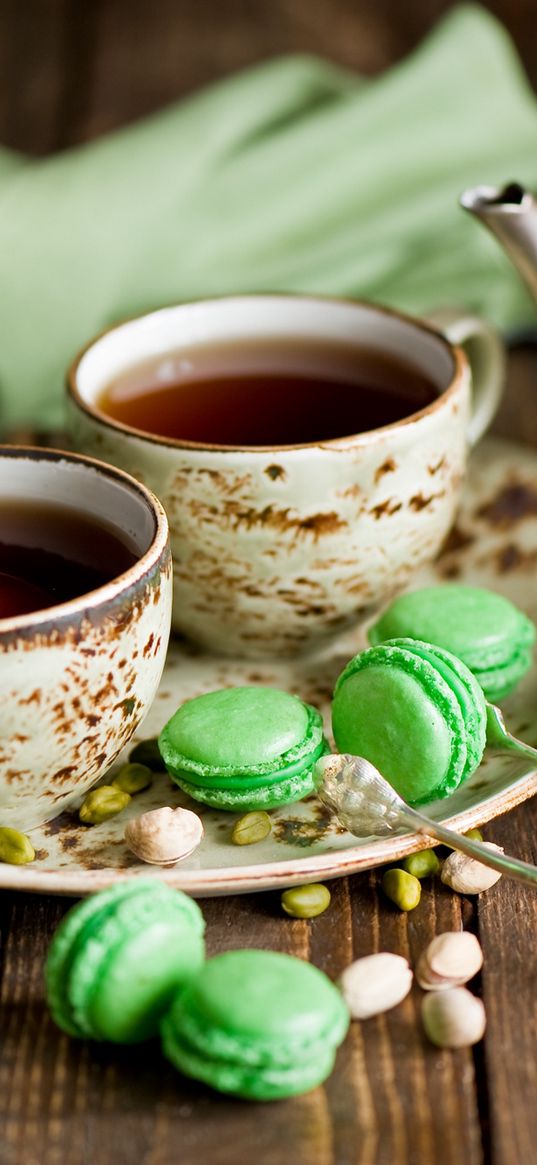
[[244, 748], [118, 958], [254, 1023], [259, 1024], [491, 636], [416, 712]]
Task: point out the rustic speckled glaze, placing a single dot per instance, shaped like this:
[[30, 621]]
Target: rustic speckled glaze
[[77, 679], [278, 549], [494, 544]]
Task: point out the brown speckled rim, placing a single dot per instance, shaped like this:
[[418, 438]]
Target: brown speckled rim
[[122, 585], [460, 369], [248, 879]]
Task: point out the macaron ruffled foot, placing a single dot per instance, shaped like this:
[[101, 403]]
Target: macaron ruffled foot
[[414, 711], [119, 957], [258, 1024], [491, 636], [244, 748]]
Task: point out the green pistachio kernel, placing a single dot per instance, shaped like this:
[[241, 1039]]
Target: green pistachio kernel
[[147, 752], [402, 888], [102, 803], [15, 848], [474, 835], [306, 901], [132, 778], [251, 828], [421, 865]]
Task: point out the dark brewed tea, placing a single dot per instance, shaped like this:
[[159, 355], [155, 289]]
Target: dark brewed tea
[[49, 554], [266, 392]]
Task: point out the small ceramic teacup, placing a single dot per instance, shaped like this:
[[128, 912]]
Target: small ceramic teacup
[[76, 679], [277, 548]]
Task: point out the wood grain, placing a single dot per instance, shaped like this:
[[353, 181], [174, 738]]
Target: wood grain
[[70, 71]]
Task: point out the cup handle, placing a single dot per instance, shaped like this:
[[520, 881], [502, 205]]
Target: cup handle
[[486, 355]]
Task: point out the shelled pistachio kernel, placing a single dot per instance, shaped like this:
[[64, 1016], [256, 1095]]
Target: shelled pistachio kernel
[[454, 1018], [401, 888], [147, 752], [421, 865], [15, 848], [306, 901], [132, 778], [102, 803], [474, 835], [252, 827]]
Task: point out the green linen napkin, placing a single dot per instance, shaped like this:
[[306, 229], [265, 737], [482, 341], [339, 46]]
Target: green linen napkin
[[293, 175]]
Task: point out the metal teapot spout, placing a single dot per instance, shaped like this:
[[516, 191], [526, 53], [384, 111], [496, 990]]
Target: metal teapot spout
[[510, 212]]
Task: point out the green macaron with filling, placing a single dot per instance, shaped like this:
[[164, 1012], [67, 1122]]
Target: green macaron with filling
[[491, 636], [244, 748], [416, 712], [119, 957], [259, 1024]]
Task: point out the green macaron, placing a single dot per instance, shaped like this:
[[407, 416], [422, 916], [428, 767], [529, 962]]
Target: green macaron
[[416, 712], [258, 1024], [491, 636], [119, 957], [244, 748]]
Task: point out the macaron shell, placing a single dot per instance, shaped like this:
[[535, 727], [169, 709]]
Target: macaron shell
[[499, 682], [467, 690], [103, 936], [251, 797], [94, 930], [482, 628], [262, 1005], [397, 711], [257, 1023], [237, 730], [63, 945], [140, 978], [263, 1084]]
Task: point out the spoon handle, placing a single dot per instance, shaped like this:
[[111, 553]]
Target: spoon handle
[[501, 740], [513, 867]]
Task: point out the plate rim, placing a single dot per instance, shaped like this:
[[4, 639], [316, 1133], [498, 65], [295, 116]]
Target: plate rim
[[221, 880]]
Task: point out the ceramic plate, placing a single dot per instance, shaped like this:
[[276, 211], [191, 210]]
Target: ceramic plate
[[494, 544]]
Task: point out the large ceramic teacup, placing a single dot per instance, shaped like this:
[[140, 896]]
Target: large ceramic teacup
[[277, 548], [76, 679]]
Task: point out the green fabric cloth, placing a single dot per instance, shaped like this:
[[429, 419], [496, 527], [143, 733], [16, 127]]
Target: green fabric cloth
[[294, 175]]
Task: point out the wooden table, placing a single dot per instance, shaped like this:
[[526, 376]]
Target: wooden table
[[69, 71]]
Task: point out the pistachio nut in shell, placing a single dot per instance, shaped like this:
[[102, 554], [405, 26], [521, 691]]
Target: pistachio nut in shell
[[450, 960], [162, 837], [375, 984], [454, 1018], [466, 875]]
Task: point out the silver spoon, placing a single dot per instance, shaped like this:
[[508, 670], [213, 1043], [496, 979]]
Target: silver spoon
[[499, 739], [366, 804]]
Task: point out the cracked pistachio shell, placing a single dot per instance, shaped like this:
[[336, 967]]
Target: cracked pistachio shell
[[163, 837], [375, 984], [466, 875], [454, 1018], [450, 960]]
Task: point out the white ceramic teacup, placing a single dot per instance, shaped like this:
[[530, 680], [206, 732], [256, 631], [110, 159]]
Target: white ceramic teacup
[[277, 548], [76, 679]]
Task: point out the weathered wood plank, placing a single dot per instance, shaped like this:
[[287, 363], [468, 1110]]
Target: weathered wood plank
[[508, 933]]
